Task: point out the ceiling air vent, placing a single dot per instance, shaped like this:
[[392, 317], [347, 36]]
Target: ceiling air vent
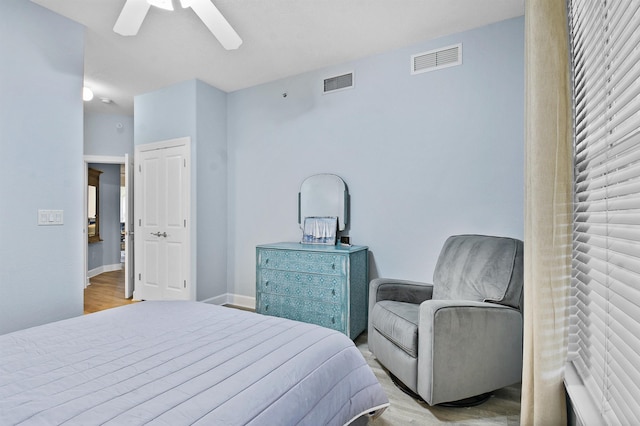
[[340, 82], [436, 59]]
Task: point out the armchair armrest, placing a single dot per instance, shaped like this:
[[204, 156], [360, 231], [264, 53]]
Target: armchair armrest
[[399, 290], [465, 345]]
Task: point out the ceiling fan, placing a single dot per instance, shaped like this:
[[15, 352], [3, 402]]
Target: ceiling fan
[[134, 12]]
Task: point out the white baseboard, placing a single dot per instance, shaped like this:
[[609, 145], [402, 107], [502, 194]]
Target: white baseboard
[[218, 300], [232, 299], [242, 301], [102, 269]]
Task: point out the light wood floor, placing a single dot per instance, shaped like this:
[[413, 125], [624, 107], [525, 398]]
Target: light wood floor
[[105, 291], [503, 408]]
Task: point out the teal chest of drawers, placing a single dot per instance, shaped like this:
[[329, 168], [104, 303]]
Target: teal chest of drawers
[[323, 285]]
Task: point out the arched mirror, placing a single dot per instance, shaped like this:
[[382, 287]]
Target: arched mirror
[[324, 195], [93, 205]]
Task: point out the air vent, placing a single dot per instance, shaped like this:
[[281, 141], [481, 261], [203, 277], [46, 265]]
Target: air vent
[[436, 59], [339, 82]]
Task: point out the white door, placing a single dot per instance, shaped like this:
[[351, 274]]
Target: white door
[[162, 188], [128, 227]]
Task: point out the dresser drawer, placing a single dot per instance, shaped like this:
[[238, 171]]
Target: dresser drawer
[[303, 261], [329, 288], [329, 315]]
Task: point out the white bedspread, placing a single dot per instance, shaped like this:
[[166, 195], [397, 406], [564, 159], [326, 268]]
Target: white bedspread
[[181, 363]]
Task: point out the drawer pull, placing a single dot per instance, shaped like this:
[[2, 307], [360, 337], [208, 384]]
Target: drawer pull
[[333, 320], [266, 308], [266, 283], [333, 291], [333, 266], [266, 261]]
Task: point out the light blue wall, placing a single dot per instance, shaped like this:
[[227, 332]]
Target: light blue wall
[[424, 156], [211, 190], [107, 251], [108, 134], [167, 113], [197, 110], [41, 73]]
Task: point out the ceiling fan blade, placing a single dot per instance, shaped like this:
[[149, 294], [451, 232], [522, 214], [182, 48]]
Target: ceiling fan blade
[[217, 24], [131, 17]]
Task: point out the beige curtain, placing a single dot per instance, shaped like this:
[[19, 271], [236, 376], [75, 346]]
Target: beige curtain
[[548, 175]]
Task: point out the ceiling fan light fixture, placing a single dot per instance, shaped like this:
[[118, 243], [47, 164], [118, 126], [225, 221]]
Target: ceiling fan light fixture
[[162, 4]]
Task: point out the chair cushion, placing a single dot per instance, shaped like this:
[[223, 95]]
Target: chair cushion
[[398, 322], [480, 268]]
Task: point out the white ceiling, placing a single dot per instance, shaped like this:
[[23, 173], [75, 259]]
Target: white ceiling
[[280, 38]]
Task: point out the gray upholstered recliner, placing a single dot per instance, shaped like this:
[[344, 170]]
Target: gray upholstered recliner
[[460, 336]]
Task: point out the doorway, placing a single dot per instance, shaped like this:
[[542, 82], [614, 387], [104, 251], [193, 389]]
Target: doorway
[[110, 252]]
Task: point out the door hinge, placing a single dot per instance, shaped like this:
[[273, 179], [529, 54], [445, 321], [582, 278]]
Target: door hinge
[[140, 168], [185, 283], [185, 162], [185, 223], [139, 277], [139, 222]]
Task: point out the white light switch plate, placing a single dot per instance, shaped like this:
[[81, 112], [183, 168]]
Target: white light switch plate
[[50, 217]]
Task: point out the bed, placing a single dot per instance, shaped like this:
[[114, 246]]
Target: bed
[[183, 363]]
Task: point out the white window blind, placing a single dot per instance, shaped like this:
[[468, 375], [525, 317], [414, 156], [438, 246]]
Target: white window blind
[[604, 332]]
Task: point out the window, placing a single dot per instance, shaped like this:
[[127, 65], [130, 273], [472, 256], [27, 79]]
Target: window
[[604, 334]]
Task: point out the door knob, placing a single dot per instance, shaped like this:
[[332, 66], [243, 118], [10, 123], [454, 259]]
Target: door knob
[[158, 234]]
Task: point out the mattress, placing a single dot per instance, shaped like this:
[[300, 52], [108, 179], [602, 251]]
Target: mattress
[[182, 363]]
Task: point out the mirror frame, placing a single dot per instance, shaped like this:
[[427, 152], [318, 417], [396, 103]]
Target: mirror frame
[[93, 179]]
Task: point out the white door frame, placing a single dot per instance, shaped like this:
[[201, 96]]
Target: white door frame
[[128, 227], [191, 225], [100, 159]]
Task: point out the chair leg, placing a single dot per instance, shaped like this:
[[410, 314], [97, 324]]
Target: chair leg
[[468, 402], [404, 388]]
